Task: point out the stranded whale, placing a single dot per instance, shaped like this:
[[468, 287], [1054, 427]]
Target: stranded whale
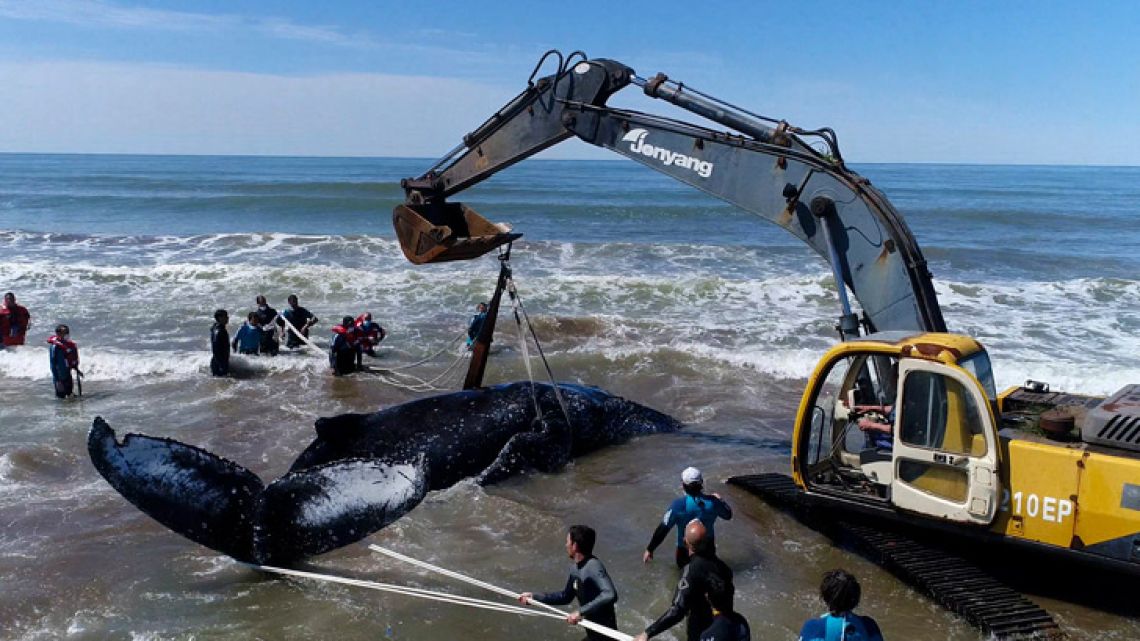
[[363, 471]]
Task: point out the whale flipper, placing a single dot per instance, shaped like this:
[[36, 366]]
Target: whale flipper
[[203, 497], [546, 450], [321, 508]]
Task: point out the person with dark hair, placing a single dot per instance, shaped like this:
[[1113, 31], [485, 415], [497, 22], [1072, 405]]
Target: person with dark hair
[[247, 340], [588, 581], [300, 318], [727, 625], [695, 504], [268, 322], [63, 356], [841, 592], [220, 344], [14, 321], [342, 350], [690, 598]]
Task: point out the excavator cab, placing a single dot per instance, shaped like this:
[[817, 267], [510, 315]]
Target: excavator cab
[[437, 232], [905, 421]]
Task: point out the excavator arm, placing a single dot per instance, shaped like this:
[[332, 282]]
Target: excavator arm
[[763, 166]]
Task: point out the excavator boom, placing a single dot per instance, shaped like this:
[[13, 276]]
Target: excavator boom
[[763, 166]]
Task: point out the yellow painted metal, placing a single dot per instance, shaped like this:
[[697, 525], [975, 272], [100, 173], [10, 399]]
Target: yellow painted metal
[[1053, 493], [1040, 484], [1102, 515], [948, 348], [1056, 492]]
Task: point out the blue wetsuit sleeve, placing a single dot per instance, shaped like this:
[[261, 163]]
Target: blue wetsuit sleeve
[[722, 509], [559, 598], [667, 522], [813, 630], [659, 535]]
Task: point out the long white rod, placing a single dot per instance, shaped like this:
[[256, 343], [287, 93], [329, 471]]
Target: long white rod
[[407, 591], [589, 625]]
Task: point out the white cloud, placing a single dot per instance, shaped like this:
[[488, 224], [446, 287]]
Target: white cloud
[[96, 13], [93, 107]]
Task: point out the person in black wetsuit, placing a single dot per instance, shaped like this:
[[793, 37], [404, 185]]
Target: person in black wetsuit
[[727, 625], [268, 322], [220, 344], [342, 350], [63, 356], [690, 596], [588, 581], [300, 318]]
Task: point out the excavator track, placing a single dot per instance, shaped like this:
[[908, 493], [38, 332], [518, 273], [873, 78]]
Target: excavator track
[[951, 581]]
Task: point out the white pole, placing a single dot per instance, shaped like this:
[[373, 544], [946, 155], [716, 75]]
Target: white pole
[[406, 590], [589, 625]]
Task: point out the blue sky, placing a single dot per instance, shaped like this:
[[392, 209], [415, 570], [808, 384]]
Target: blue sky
[[973, 82]]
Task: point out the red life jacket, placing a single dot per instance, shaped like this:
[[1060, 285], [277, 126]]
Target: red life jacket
[[351, 334], [14, 324], [370, 336], [70, 350]]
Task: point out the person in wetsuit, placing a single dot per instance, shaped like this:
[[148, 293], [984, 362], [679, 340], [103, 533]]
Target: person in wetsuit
[[690, 598], [476, 323], [841, 592], [220, 344], [14, 320], [63, 356], [727, 625], [300, 318], [693, 505], [268, 322], [588, 581], [343, 349]]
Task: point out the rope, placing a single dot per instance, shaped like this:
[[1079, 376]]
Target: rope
[[427, 358], [515, 305], [408, 591], [298, 334], [516, 301], [417, 384], [589, 625]]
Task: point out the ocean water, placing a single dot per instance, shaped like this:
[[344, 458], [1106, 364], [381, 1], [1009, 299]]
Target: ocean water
[[635, 283]]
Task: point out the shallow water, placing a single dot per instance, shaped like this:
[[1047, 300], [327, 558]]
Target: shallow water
[[135, 253]]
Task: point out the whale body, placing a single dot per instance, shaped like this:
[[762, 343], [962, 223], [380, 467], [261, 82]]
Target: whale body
[[363, 471]]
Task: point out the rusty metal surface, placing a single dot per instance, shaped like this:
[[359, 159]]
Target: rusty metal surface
[[446, 232]]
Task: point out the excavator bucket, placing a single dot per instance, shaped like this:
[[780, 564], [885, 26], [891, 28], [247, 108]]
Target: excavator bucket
[[440, 232]]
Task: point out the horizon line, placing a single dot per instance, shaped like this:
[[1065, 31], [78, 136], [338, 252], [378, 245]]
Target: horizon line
[[617, 158]]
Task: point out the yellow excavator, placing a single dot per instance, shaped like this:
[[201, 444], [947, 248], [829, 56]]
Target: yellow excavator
[[900, 422]]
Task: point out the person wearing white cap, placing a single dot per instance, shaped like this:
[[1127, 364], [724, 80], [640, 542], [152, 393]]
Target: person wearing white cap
[[695, 504]]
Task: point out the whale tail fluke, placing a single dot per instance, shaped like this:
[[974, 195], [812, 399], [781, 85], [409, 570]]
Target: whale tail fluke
[[321, 508], [225, 507], [199, 495]]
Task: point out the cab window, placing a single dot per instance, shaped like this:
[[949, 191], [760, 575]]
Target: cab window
[[939, 413], [979, 365], [853, 386]]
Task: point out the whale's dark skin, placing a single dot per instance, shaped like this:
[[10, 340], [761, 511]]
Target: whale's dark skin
[[363, 471]]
